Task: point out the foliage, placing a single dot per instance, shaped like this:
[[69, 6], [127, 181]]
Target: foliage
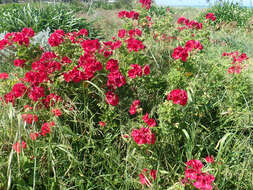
[[229, 11], [15, 17]]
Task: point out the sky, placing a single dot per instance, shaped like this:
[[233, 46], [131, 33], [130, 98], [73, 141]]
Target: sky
[[197, 2]]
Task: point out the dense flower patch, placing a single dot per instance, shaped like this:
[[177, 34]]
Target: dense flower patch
[[121, 71]]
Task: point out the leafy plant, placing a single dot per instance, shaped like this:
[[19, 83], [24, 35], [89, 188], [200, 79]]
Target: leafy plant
[[229, 11], [60, 16]]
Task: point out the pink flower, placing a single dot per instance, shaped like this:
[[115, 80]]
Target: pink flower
[[57, 112], [178, 96], [146, 70], [122, 33], [146, 3], [235, 69], [153, 174], [34, 136], [56, 38], [29, 118], [180, 53], [112, 98], [143, 136], [4, 76], [102, 124], [17, 146], [46, 128], [83, 32], [146, 178], [19, 62], [209, 159], [19, 89], [134, 106], [204, 181], [195, 164], [210, 16]]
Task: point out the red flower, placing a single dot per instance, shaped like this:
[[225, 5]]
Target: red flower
[[56, 38], [34, 136], [17, 146], [146, 70], [36, 93], [102, 124], [122, 33], [210, 16], [83, 32], [178, 96], [235, 69], [19, 89], [145, 179], [112, 98], [136, 70], [143, 136], [153, 174], [180, 53], [90, 46], [112, 65], [204, 181], [19, 63], [9, 97], [57, 112], [46, 128], [29, 118], [209, 159], [134, 106], [134, 45], [116, 79], [3, 43], [146, 3], [149, 121], [4, 76]]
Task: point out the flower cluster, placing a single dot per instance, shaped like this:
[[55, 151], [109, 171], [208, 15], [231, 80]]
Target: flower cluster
[[149, 121], [134, 107], [146, 3], [182, 52], [178, 96], [112, 98], [237, 61], [4, 76], [56, 38], [147, 177], [17, 147], [134, 45], [115, 78], [137, 71], [188, 24], [18, 90], [45, 129], [131, 14], [143, 136], [210, 16], [20, 38], [194, 175], [29, 118]]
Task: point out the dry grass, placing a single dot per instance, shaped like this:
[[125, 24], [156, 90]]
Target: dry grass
[[105, 20]]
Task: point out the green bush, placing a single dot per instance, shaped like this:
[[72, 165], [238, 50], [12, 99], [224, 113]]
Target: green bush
[[14, 17], [227, 11]]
